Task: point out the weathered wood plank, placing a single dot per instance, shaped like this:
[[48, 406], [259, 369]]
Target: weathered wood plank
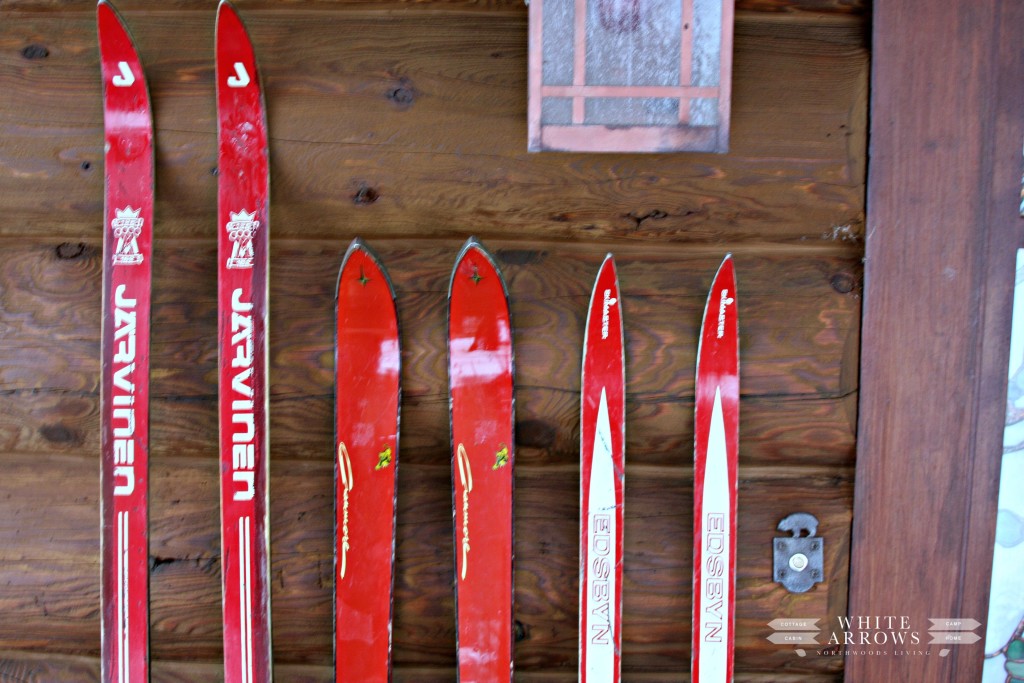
[[415, 125], [53, 604]]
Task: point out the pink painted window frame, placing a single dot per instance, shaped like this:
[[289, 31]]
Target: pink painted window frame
[[583, 137]]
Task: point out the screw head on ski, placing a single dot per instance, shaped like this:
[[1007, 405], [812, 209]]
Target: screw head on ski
[[124, 395], [602, 479], [367, 370], [481, 404], [716, 445], [242, 297]]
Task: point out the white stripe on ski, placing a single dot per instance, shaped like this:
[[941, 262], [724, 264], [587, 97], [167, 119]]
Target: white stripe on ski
[[601, 554], [716, 582], [245, 591], [124, 670]]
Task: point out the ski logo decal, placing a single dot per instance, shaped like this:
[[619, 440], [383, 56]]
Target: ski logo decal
[[724, 301], [501, 457], [466, 477], [123, 416], [241, 77], [609, 301], [601, 599], [243, 440], [127, 226], [125, 78], [383, 459], [345, 476], [241, 231]]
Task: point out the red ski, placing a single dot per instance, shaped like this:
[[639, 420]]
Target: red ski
[[367, 369], [481, 401], [602, 479], [124, 396], [716, 444], [243, 239]]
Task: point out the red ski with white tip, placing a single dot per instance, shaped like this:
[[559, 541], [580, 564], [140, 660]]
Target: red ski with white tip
[[367, 397], [481, 403], [124, 397], [602, 480], [242, 298], [716, 446]]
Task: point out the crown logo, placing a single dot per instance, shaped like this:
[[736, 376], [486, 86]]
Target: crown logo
[[241, 230], [126, 227]]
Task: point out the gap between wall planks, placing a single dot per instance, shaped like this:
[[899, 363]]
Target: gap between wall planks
[[412, 133]]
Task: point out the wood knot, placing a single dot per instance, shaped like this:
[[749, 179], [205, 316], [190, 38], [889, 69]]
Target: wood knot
[[60, 433], [521, 631], [638, 218], [35, 51], [844, 283], [403, 94], [365, 195], [67, 250]]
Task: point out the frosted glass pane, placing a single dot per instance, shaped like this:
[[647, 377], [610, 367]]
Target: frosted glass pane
[[707, 41], [633, 111], [558, 41], [556, 111], [704, 111], [633, 42]]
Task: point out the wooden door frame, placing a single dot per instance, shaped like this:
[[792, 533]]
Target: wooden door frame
[[943, 224]]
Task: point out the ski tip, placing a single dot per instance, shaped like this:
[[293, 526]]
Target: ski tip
[[726, 267], [475, 245], [105, 9], [226, 8], [359, 246], [473, 241], [609, 263], [470, 244]]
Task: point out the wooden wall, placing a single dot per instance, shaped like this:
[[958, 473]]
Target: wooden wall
[[405, 123]]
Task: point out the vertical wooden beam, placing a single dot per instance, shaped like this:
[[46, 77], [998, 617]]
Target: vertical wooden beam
[[947, 124]]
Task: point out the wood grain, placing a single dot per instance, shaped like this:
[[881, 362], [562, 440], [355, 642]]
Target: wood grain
[[408, 128]]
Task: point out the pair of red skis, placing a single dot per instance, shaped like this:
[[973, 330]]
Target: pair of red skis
[[480, 367], [243, 212], [481, 403]]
